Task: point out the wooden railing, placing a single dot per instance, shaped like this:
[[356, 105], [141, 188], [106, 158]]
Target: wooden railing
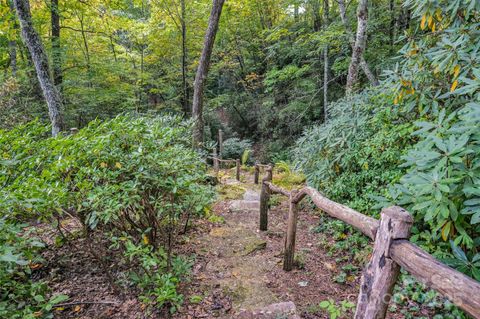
[[391, 251], [217, 161], [259, 166]]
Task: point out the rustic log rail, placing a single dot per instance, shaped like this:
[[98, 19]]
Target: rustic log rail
[[258, 166], [217, 161], [391, 251]]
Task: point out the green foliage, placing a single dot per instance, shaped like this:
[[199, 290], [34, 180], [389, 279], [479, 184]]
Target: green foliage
[[287, 178], [469, 265], [411, 299], [356, 154], [336, 311], [246, 156], [234, 148], [230, 192], [20, 296], [438, 80], [441, 185], [104, 173], [135, 177], [157, 281]]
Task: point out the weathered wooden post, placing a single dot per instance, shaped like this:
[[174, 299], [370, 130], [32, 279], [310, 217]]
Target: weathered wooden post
[[237, 162], [257, 173], [289, 254], [269, 171], [381, 273], [264, 198], [220, 143], [216, 164]]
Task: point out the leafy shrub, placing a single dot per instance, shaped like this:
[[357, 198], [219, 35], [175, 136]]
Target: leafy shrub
[[135, 177], [20, 297], [287, 178], [234, 148], [356, 154], [119, 173], [157, 280], [438, 80]]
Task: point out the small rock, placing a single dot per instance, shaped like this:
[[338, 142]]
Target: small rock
[[286, 310], [303, 283], [253, 246], [218, 232]]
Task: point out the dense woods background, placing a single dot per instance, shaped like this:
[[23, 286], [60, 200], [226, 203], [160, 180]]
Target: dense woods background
[[376, 102]]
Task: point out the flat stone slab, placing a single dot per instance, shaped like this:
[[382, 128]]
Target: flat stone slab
[[284, 310], [237, 206], [251, 195]]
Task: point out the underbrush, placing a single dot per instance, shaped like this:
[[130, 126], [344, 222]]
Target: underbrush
[[20, 297], [351, 251], [285, 177], [367, 147], [135, 182]]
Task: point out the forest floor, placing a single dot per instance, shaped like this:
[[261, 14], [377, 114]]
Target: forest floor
[[237, 268]]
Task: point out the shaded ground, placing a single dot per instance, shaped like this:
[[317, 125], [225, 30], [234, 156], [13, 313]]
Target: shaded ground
[[237, 268]]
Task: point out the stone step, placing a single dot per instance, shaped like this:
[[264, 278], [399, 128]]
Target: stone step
[[237, 206], [251, 195], [284, 310]]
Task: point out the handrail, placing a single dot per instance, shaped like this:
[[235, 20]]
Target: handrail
[[391, 250], [367, 225], [460, 289], [217, 161], [257, 170], [221, 159], [277, 190]]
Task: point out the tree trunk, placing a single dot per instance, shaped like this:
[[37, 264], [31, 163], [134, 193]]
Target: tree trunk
[[202, 71], [40, 60], [12, 52], [363, 64], [325, 65], [359, 47], [56, 49], [317, 20], [185, 102], [12, 43]]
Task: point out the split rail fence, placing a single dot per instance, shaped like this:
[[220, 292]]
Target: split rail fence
[[391, 250]]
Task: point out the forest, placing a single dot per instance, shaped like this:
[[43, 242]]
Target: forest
[[154, 153]]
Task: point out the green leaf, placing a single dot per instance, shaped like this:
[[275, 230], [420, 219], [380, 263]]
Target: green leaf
[[458, 252], [475, 219]]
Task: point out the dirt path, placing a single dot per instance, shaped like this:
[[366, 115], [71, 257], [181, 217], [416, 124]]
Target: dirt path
[[239, 269]]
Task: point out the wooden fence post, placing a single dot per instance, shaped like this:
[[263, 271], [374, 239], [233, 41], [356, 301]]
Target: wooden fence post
[[237, 162], [216, 164], [220, 143], [257, 173], [264, 198], [289, 254], [381, 273]]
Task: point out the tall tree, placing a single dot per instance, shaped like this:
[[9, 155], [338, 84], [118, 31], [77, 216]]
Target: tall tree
[[56, 49], [325, 64], [12, 43], [393, 22], [183, 22], [363, 64], [40, 60], [360, 43], [202, 71]]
